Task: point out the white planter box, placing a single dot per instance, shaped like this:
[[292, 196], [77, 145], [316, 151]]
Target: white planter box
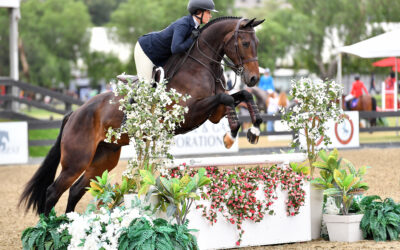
[[344, 228], [317, 199], [273, 229]]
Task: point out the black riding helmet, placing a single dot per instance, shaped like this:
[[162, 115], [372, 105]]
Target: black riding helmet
[[195, 5]]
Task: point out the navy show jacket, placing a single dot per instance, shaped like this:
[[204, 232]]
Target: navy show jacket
[[176, 38]]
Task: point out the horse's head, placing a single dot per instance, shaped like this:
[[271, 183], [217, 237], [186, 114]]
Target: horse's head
[[240, 45]]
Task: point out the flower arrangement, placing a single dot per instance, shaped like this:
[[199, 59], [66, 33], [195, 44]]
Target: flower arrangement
[[316, 103], [152, 114], [236, 193]]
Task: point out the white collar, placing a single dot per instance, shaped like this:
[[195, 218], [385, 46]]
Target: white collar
[[196, 24]]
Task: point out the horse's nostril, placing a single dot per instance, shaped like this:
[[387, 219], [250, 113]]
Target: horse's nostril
[[254, 80]]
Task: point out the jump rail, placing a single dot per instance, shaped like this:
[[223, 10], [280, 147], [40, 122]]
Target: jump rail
[[241, 160]]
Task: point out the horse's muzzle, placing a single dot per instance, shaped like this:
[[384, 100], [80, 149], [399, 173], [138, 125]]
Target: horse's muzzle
[[251, 81]]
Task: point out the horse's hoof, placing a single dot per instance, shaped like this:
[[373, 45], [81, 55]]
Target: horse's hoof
[[228, 140], [253, 134]]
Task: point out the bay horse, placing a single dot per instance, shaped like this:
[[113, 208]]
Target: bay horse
[[80, 146], [364, 103]]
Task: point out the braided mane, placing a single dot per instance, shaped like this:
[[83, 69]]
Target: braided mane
[[216, 20]]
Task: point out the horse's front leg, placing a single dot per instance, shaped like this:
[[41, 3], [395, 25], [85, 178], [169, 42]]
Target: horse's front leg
[[253, 133], [219, 106]]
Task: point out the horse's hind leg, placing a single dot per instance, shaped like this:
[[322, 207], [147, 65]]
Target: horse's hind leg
[[254, 132], [75, 158], [106, 158]]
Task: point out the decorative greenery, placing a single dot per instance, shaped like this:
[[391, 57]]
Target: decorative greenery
[[346, 185], [106, 194], [176, 195], [152, 115], [233, 193], [315, 105], [300, 168], [381, 220], [157, 235], [329, 162], [45, 235]]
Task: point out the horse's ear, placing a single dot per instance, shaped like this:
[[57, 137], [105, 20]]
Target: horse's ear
[[257, 22], [247, 23]]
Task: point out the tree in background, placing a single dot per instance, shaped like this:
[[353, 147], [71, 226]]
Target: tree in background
[[100, 10], [4, 43], [54, 35], [304, 28], [103, 67]]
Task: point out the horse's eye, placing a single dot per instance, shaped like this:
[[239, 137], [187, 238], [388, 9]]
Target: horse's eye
[[246, 44]]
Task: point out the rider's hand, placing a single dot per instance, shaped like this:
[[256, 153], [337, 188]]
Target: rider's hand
[[195, 33]]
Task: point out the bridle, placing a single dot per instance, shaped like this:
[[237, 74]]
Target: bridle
[[237, 68]]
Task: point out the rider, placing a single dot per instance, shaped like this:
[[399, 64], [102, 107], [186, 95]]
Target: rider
[[356, 91], [154, 49]]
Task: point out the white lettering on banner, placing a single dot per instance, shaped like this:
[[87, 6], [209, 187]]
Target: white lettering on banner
[[206, 139], [13, 142], [342, 135]]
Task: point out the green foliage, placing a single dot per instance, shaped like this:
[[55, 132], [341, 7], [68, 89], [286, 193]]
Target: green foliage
[[327, 165], [176, 195], [336, 181], [45, 235], [103, 66], [300, 168], [160, 235], [346, 185], [4, 43], [381, 220], [307, 27], [100, 10], [106, 194], [54, 36]]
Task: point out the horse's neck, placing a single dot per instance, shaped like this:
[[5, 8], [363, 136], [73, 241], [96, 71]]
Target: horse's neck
[[211, 40]]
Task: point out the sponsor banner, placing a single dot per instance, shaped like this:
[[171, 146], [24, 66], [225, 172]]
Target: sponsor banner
[[206, 139], [13, 142], [342, 135]]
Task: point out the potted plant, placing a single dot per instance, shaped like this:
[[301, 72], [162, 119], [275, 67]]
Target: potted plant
[[381, 220], [345, 227]]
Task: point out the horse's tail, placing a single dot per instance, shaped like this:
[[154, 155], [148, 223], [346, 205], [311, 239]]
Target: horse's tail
[[34, 194], [373, 121], [373, 103]]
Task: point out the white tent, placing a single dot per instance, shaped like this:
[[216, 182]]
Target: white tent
[[384, 45]]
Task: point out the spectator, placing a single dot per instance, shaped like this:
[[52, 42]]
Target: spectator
[[389, 90], [267, 82], [272, 108]]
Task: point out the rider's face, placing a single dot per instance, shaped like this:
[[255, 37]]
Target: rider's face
[[207, 16]]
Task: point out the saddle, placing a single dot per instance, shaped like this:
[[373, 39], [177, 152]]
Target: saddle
[[354, 103], [157, 75]]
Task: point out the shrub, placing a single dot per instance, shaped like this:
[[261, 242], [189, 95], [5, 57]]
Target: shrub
[[381, 220], [45, 234], [158, 234]]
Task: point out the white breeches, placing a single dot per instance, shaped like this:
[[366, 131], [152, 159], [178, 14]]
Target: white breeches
[[144, 66]]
